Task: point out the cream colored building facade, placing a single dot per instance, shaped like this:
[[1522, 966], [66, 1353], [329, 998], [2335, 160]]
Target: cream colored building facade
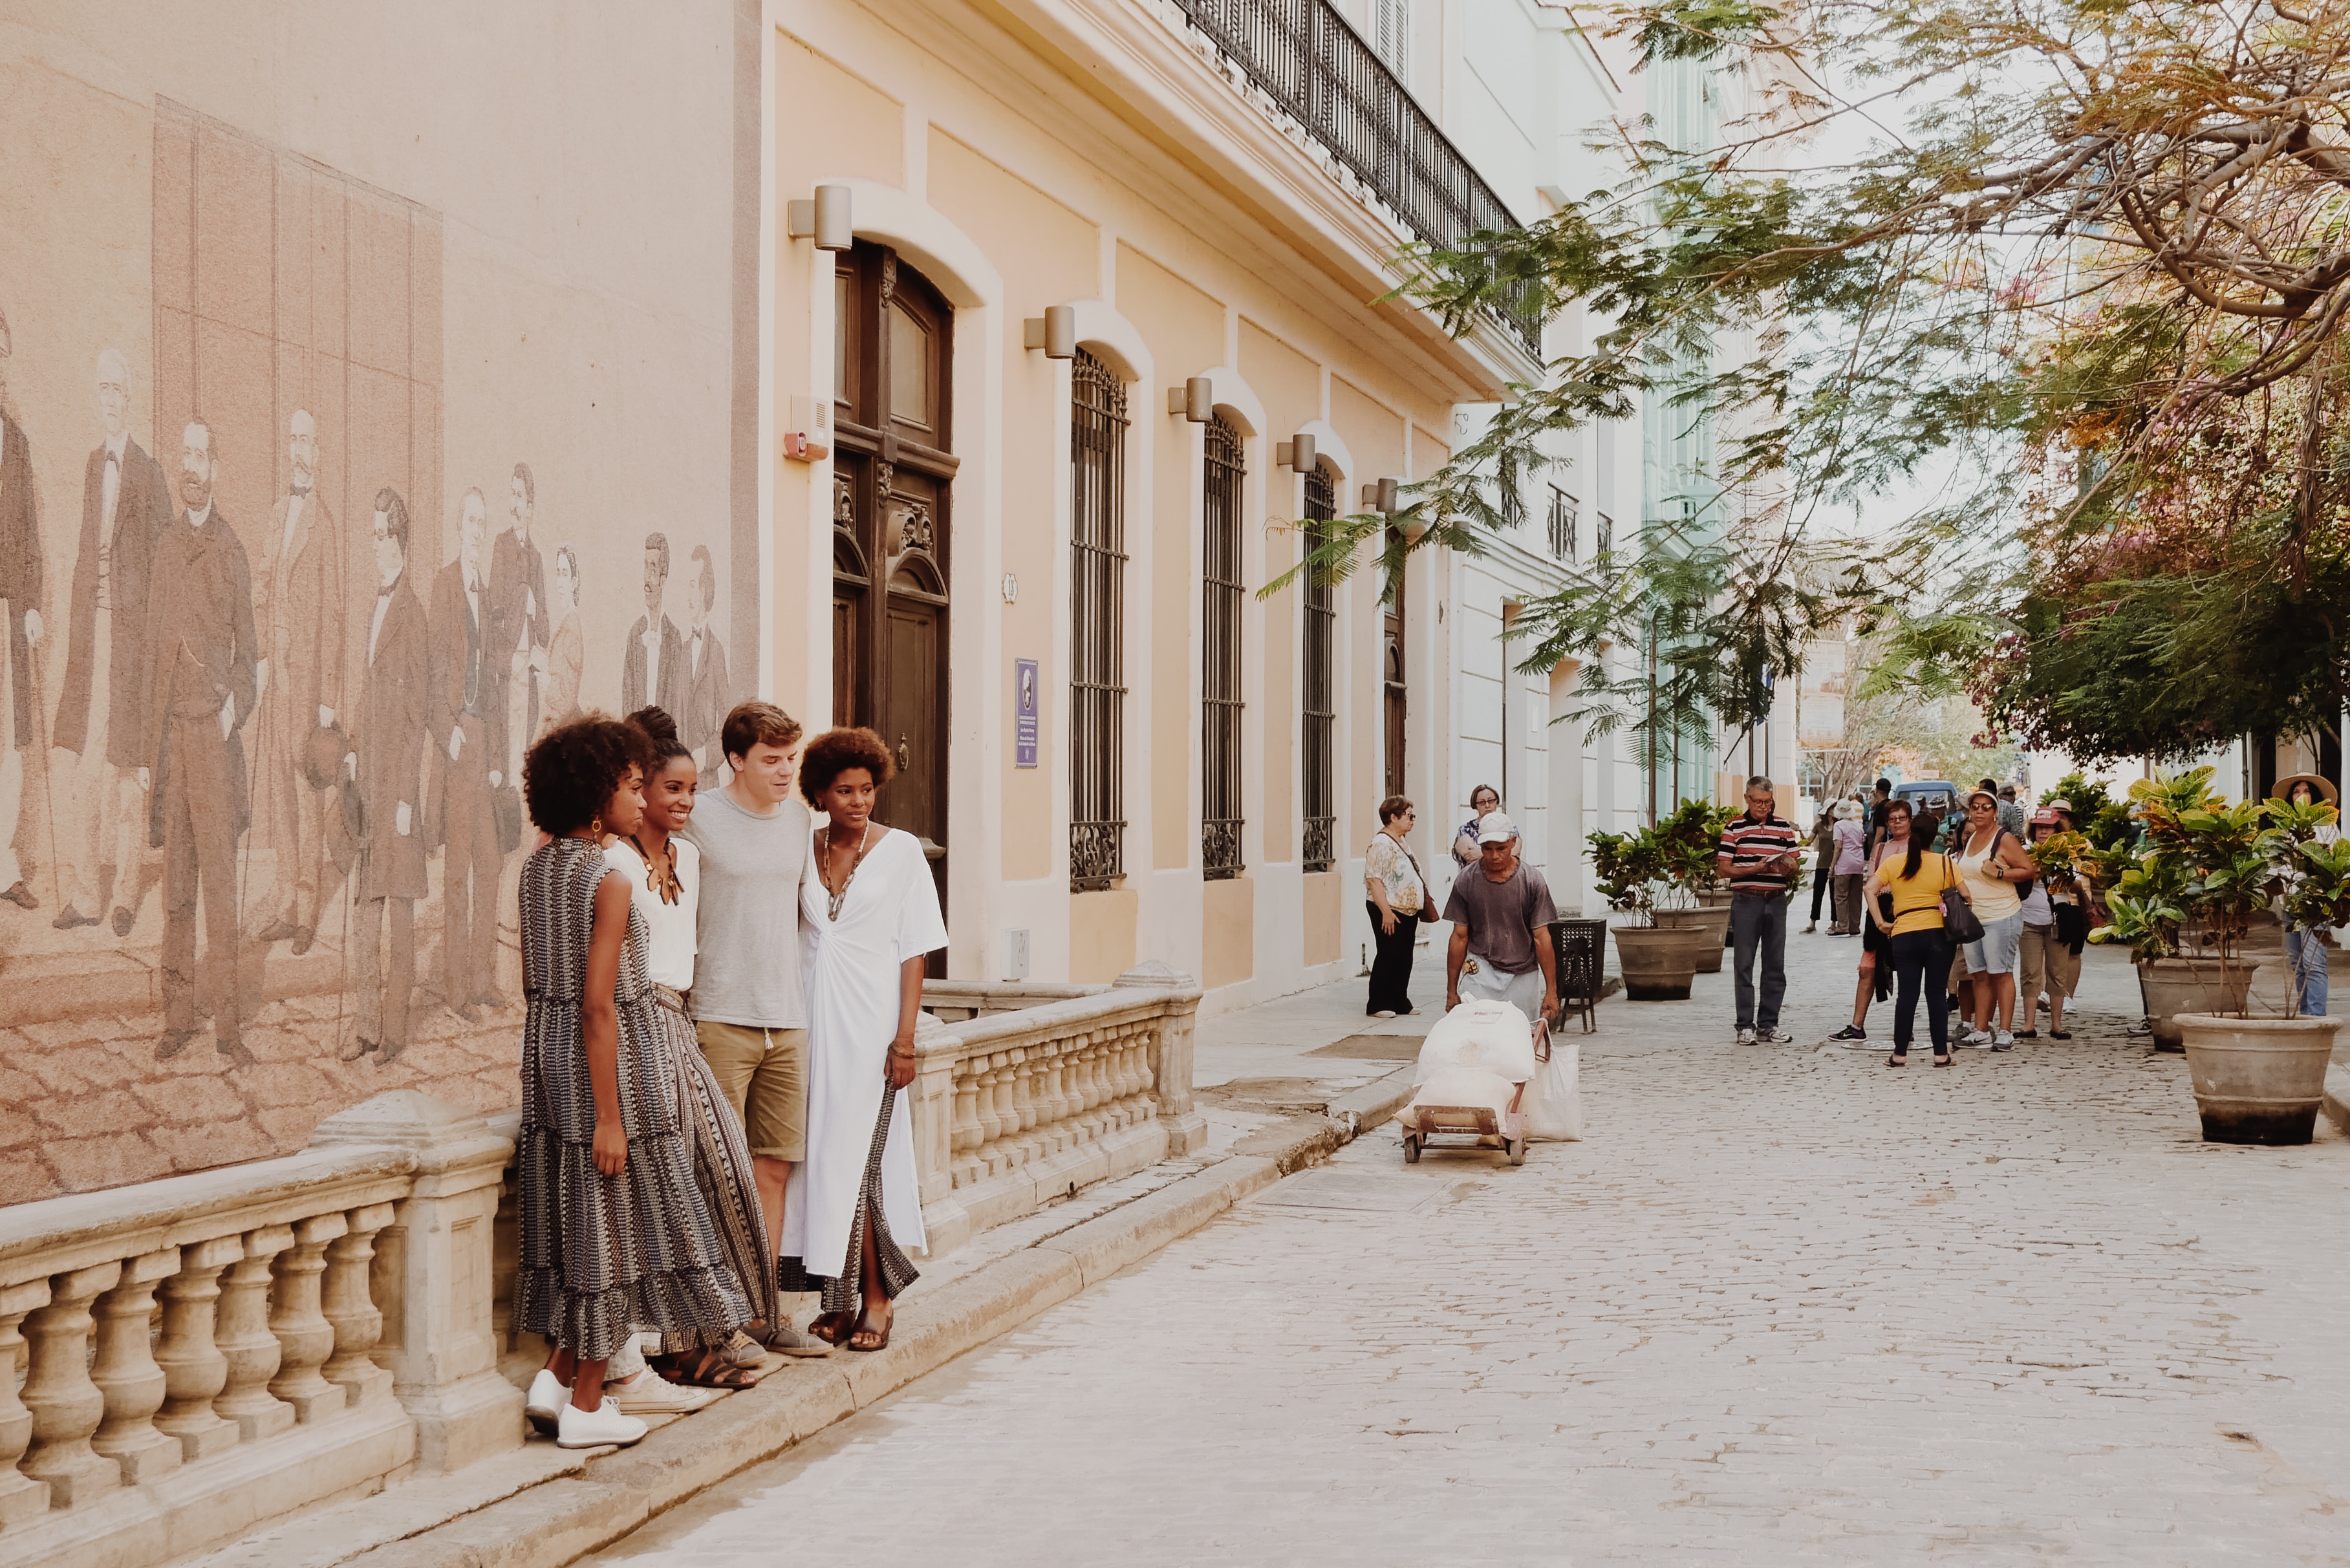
[[1103, 155]]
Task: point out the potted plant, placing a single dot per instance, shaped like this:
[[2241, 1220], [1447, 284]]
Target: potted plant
[[2259, 1080], [1687, 840], [2182, 927], [1628, 868]]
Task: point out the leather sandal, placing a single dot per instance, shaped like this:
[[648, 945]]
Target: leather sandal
[[880, 1337], [833, 1327]]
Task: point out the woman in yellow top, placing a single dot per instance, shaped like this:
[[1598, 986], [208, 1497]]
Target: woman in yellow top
[[1919, 949]]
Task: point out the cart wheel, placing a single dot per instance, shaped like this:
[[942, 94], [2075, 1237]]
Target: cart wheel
[[1412, 1148], [1518, 1148]]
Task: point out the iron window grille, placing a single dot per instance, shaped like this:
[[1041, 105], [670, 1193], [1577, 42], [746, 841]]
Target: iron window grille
[[1097, 421], [1223, 592], [1316, 69], [1319, 850], [1605, 543], [1562, 523]]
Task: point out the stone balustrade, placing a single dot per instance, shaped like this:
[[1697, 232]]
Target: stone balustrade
[[205, 1353], [1017, 1110]]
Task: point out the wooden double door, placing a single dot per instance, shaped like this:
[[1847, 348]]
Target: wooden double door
[[893, 473]]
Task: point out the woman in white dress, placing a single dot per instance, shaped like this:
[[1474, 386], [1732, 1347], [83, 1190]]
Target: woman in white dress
[[868, 920]]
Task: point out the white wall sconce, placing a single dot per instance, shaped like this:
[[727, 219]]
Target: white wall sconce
[[809, 439], [825, 219], [1383, 495], [1195, 399], [1296, 453], [1056, 332]]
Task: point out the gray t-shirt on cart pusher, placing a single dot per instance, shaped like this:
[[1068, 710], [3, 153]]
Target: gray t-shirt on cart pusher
[[1501, 916]]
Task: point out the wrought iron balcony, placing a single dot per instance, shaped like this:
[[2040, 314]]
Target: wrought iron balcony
[[1304, 56]]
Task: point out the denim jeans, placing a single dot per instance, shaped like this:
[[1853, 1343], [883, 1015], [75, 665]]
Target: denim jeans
[[1759, 920], [2305, 957]]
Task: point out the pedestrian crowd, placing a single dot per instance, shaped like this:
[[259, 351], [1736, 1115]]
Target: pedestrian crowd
[[1499, 906], [722, 988]]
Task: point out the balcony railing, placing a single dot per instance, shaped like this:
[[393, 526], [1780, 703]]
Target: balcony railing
[[1316, 68]]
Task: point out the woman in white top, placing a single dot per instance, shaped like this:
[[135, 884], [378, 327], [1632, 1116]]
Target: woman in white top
[[868, 920], [1396, 895], [1994, 864], [664, 874]]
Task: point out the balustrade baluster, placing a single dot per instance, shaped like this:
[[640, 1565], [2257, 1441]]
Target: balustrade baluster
[[1052, 1100], [991, 1125], [194, 1370], [21, 1497], [1023, 1106], [126, 1374], [66, 1406], [305, 1337], [1000, 1156], [244, 1338], [968, 1135], [348, 1304]]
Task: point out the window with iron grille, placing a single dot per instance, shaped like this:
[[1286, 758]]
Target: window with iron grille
[[1097, 421], [1319, 849], [1605, 542], [1562, 523], [1220, 812]]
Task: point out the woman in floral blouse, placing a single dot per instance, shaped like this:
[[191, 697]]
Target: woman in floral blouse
[[1397, 894]]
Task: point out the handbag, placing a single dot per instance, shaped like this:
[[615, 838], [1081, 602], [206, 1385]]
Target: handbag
[[1958, 922], [1553, 1100]]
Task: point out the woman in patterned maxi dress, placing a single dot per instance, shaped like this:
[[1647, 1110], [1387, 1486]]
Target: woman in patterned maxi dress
[[615, 1237], [868, 920]]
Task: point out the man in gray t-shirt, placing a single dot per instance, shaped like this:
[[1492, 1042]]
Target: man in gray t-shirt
[[1500, 912], [750, 1008]]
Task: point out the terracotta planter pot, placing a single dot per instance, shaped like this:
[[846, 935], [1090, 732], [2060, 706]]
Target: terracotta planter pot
[[1712, 920], [1715, 899], [2257, 1080], [1656, 961], [2174, 986]]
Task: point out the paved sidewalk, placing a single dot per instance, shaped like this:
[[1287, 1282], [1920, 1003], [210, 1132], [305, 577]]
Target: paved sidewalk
[[1781, 1305]]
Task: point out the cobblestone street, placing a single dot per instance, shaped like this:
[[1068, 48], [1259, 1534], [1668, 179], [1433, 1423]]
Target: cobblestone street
[[1781, 1304]]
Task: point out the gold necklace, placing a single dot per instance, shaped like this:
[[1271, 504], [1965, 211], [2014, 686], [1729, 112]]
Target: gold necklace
[[661, 879], [833, 900]]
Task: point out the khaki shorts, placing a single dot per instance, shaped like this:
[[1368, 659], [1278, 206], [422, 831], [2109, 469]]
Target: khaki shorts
[[764, 1074]]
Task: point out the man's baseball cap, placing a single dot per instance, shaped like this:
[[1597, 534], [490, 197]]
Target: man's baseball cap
[[1495, 828]]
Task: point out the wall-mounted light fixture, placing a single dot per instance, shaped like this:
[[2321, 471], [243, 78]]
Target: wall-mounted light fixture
[[825, 219], [1195, 399], [1382, 496], [1056, 332], [808, 438], [1296, 453]]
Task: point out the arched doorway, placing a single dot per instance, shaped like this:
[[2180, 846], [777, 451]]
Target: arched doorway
[[893, 471]]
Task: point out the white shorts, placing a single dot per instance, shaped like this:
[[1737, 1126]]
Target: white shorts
[[1995, 954], [1522, 991]]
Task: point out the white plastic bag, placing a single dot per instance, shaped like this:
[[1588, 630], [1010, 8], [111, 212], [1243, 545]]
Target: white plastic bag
[[1553, 1102], [1492, 1035]]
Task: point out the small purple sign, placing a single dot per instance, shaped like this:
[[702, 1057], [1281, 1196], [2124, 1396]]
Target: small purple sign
[[1023, 710]]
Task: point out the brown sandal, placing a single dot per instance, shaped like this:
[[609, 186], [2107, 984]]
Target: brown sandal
[[880, 1336], [833, 1327], [711, 1370]]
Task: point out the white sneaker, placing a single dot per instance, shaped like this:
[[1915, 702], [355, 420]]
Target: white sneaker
[[1977, 1038], [544, 1407], [650, 1394], [1746, 1037], [2002, 1041], [1773, 1037], [602, 1427], [1384, 1012]]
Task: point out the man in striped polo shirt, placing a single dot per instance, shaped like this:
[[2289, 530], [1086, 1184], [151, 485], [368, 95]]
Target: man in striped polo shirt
[[1758, 855]]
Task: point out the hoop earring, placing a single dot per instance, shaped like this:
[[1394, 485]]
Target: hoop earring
[[595, 829]]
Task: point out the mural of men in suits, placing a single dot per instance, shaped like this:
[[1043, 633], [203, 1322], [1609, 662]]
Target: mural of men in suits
[[299, 617], [20, 586], [518, 625], [651, 671], [387, 763], [469, 766], [706, 692], [101, 731], [201, 656]]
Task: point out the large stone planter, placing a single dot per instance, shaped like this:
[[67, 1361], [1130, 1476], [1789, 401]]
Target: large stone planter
[[1658, 960], [1715, 899], [2174, 986], [1713, 920], [2257, 1080]]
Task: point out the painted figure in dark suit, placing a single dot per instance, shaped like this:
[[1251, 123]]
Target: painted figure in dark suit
[[652, 670], [707, 699], [469, 766], [298, 614], [199, 690], [386, 762], [518, 624], [20, 586], [101, 731]]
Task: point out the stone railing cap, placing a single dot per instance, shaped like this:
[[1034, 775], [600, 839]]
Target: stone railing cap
[[1156, 971]]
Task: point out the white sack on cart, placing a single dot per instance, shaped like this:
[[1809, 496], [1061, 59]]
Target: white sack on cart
[[1461, 1087], [1491, 1035]]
